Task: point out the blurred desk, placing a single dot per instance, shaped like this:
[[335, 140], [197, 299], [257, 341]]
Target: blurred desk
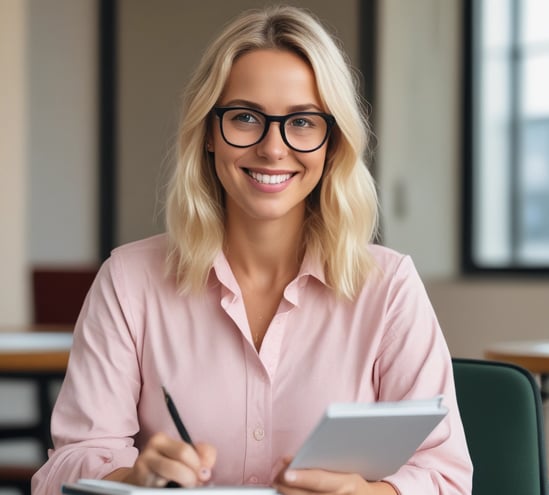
[[34, 352], [530, 354], [39, 357]]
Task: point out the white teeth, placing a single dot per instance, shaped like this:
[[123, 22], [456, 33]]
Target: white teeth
[[269, 179]]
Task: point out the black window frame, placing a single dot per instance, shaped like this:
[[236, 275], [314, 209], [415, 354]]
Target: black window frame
[[469, 141]]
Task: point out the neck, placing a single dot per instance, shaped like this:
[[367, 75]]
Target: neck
[[264, 253]]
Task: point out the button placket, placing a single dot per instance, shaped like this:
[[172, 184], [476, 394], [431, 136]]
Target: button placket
[[258, 418]]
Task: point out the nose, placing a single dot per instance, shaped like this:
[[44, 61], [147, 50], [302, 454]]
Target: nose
[[272, 146]]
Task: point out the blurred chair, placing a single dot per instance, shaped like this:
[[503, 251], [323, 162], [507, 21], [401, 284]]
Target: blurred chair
[[501, 410], [59, 291]]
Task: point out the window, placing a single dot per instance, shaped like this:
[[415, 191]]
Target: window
[[506, 200]]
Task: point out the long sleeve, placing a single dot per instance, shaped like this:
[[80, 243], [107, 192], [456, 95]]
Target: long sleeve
[[414, 361], [98, 396]]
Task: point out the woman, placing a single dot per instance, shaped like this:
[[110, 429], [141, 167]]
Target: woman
[[265, 301]]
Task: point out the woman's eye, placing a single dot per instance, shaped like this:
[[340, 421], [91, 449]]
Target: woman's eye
[[246, 118], [301, 122]]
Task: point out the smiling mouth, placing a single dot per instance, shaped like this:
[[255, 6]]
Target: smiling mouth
[[268, 178]]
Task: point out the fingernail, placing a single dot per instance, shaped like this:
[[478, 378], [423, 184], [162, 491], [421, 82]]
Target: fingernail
[[205, 474], [290, 476]]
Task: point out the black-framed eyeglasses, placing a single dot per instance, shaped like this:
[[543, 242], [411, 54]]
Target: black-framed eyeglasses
[[243, 127]]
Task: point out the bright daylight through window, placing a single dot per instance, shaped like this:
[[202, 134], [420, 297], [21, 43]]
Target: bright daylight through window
[[508, 126]]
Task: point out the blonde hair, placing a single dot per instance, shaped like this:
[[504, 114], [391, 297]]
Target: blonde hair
[[342, 212]]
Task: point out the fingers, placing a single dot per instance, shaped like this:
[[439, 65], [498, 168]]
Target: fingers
[[164, 459], [281, 467], [207, 454], [299, 481]]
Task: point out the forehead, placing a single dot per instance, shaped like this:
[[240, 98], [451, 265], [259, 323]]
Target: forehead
[[273, 80]]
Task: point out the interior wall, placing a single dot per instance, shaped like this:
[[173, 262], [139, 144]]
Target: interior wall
[[61, 61], [13, 170], [48, 143], [418, 155], [475, 313]]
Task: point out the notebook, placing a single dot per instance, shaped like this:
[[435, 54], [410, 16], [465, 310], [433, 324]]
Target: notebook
[[372, 439], [106, 487]]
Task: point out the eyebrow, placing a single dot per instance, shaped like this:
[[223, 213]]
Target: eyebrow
[[307, 107]]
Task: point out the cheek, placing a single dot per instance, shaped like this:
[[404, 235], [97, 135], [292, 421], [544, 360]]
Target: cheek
[[225, 158], [315, 164], [220, 169], [223, 152]]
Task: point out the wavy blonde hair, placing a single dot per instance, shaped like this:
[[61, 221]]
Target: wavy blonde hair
[[342, 212]]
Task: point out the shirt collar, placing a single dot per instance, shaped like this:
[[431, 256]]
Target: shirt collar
[[310, 267], [313, 267]]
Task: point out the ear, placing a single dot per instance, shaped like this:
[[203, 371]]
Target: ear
[[209, 146]]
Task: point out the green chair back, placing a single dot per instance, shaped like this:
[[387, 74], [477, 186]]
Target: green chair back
[[500, 406]]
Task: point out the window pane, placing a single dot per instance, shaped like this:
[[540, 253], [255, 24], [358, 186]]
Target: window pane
[[535, 22], [535, 84], [491, 186], [494, 23], [492, 176], [510, 123], [533, 245]]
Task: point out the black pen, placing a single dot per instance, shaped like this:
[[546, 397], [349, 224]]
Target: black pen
[[180, 428], [176, 418]]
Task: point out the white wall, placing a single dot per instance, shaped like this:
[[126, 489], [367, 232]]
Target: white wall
[[13, 163], [419, 86], [62, 131], [48, 142]]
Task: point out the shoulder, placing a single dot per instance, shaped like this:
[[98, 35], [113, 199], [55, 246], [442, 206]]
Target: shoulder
[[388, 260], [392, 270], [145, 251], [139, 261]]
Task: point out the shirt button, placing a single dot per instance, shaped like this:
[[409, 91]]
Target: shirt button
[[259, 434]]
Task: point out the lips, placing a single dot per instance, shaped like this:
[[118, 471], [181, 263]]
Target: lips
[[269, 178]]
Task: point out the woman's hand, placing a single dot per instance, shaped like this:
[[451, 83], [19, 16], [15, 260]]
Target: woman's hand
[[318, 481], [164, 459]]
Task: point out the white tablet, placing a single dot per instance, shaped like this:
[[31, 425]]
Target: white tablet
[[372, 439]]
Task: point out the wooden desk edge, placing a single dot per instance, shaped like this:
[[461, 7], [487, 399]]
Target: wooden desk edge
[[534, 364], [34, 362]]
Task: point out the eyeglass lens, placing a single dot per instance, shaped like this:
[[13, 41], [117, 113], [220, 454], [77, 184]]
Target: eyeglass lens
[[302, 131]]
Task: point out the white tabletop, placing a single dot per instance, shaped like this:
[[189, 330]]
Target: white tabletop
[[11, 342], [538, 348]]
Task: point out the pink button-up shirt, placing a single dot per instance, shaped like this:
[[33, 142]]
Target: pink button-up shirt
[[135, 334]]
